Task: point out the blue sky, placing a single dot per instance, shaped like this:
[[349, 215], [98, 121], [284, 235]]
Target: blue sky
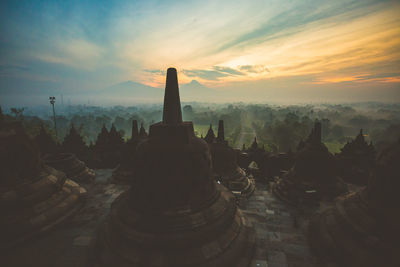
[[80, 46]]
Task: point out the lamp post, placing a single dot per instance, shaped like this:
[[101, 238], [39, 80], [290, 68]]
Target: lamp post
[[52, 101]]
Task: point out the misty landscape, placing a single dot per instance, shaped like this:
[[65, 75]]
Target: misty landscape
[[229, 133], [277, 128]]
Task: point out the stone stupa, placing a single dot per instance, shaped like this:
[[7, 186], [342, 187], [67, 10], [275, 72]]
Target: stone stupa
[[124, 173], [362, 229], [74, 168], [210, 136], [175, 214], [313, 177], [107, 149], [356, 160], [256, 161], [45, 142], [226, 168], [68, 162], [33, 196]]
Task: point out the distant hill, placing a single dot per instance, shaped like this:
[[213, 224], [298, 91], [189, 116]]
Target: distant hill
[[124, 93], [135, 90], [195, 91]]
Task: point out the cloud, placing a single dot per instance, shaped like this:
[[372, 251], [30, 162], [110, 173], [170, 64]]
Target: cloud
[[227, 70], [218, 42], [212, 75], [12, 70], [156, 71], [10, 67], [294, 18], [385, 78], [76, 53], [215, 74], [254, 68]]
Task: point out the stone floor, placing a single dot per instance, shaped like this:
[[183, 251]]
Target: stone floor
[[280, 230], [279, 244], [66, 245]]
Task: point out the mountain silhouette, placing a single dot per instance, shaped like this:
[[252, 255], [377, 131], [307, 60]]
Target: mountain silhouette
[[131, 89], [196, 91]]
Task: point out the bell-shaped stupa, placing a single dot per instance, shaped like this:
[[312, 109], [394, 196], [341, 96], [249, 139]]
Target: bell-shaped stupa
[[210, 136], [125, 171], [313, 176], [226, 168], [33, 196], [356, 160], [74, 168], [175, 214], [73, 148], [362, 229], [45, 142]]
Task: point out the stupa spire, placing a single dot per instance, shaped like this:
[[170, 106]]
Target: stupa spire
[[317, 132], [210, 136], [142, 132], [135, 131], [221, 131], [172, 113]]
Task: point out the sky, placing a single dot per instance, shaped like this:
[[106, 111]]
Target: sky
[[254, 50]]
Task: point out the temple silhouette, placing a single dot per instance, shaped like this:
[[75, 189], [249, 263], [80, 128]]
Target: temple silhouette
[[167, 198], [174, 210]]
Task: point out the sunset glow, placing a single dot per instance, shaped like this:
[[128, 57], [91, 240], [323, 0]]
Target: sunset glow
[[95, 45]]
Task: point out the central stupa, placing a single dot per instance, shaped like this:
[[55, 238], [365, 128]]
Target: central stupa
[[175, 214]]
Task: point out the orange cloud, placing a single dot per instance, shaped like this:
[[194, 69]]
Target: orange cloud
[[355, 78]]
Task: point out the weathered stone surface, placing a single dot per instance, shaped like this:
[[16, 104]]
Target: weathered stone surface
[[73, 143], [107, 149], [67, 246], [183, 238], [175, 214], [125, 172], [280, 241], [69, 164], [363, 228], [313, 176], [225, 165], [356, 160], [45, 142], [33, 197]]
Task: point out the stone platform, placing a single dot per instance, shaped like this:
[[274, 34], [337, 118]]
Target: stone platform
[[279, 242], [66, 245], [280, 231]]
